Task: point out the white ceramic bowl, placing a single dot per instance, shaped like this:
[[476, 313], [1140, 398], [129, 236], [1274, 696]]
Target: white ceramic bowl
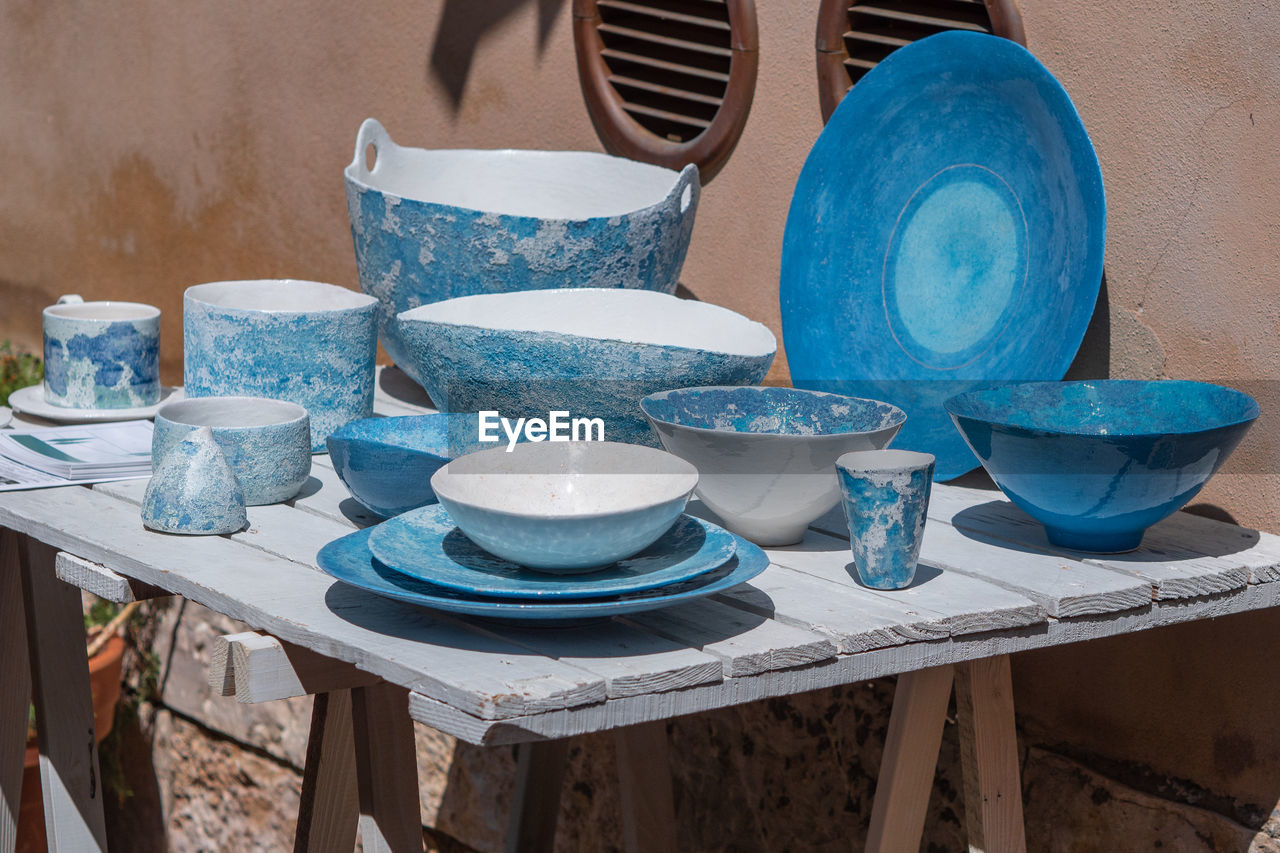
[[565, 507], [591, 352], [766, 456]]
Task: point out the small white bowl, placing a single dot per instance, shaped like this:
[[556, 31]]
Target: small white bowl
[[565, 507]]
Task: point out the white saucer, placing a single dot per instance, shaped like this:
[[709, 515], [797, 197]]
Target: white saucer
[[6, 415], [30, 401]]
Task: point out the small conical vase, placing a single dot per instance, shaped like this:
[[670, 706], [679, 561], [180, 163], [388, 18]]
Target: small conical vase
[[193, 490]]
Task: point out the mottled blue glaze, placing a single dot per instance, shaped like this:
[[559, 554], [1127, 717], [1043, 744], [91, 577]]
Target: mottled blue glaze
[[304, 351], [99, 363], [770, 411], [271, 461], [886, 508], [1098, 462], [946, 232], [387, 463], [193, 490], [411, 251], [427, 545], [348, 560], [468, 368]]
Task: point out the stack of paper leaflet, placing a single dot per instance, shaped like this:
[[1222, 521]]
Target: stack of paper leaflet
[[89, 453]]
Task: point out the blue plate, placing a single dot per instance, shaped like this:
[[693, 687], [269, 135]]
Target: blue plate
[[348, 559], [427, 545], [946, 233]]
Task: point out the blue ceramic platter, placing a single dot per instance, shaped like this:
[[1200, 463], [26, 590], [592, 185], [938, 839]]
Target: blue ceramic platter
[[946, 233], [427, 545], [348, 559]]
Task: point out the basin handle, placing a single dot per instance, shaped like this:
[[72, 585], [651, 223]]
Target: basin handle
[[688, 181], [371, 133]]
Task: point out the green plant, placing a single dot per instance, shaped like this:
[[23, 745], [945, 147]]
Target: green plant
[[18, 370]]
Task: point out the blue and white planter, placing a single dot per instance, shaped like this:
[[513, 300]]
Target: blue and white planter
[[305, 342], [589, 352], [434, 225], [193, 490], [886, 502], [101, 355], [267, 443]]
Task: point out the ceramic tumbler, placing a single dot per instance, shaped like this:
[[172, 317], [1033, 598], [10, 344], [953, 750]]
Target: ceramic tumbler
[[886, 500], [101, 355]]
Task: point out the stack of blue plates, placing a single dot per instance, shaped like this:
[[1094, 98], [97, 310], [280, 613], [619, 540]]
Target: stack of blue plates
[[422, 558]]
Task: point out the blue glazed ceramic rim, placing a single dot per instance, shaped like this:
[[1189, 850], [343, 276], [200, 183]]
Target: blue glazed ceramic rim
[[646, 403], [401, 545], [955, 407], [935, 80], [348, 560]]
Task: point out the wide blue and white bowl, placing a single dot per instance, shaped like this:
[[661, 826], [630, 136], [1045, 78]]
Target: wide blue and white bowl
[[266, 442], [1098, 462], [565, 507], [591, 353], [310, 343], [387, 463], [433, 225], [766, 456]]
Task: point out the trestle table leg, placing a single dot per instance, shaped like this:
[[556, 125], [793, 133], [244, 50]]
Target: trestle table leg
[[15, 689], [989, 755], [644, 777], [329, 812], [540, 767], [386, 769]]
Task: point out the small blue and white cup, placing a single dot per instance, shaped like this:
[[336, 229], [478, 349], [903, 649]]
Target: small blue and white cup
[[101, 355], [886, 501]]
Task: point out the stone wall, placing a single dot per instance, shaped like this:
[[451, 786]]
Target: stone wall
[[787, 774]]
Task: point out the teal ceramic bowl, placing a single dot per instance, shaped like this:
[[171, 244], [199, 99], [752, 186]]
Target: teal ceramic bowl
[[1100, 461]]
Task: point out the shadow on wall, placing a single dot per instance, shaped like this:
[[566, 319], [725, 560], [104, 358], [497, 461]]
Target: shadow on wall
[[1093, 359], [462, 26]]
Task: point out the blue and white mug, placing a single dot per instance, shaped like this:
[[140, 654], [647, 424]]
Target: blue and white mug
[[886, 502], [101, 355]]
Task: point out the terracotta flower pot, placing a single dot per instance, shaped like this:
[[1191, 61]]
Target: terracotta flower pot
[[104, 680]]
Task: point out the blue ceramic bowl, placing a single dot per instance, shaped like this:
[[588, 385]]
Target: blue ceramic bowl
[[565, 507], [766, 456], [589, 352], [306, 342], [430, 225], [267, 443], [1098, 462], [387, 463]]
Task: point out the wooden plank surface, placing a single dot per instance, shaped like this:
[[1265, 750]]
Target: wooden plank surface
[[296, 602], [910, 759], [265, 669], [69, 777], [16, 691], [1173, 571], [957, 603]]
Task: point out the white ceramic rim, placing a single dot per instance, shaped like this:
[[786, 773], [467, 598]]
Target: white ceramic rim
[[115, 312], [887, 461], [755, 436], [279, 412], [517, 179], [617, 316], [268, 296], [683, 479]]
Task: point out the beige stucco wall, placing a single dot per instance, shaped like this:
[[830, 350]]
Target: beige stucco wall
[[145, 147]]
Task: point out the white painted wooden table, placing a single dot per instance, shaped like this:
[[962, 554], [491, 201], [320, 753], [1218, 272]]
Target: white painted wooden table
[[989, 585]]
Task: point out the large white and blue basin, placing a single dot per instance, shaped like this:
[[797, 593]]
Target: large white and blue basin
[[387, 463], [565, 507], [430, 225], [1098, 462], [588, 352], [766, 456], [307, 342], [266, 442]]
